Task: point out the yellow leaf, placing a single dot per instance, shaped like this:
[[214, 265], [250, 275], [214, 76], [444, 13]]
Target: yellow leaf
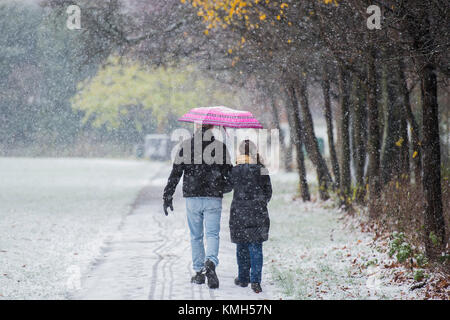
[[399, 142], [415, 154]]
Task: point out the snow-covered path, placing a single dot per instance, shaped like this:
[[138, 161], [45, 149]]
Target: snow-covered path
[[62, 218], [149, 257]]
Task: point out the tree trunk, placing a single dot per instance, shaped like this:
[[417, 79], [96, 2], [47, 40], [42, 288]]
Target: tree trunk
[[373, 139], [359, 136], [311, 143], [404, 147], [329, 120], [414, 127], [276, 121], [431, 180], [390, 155], [296, 137], [344, 118], [434, 225], [288, 159]]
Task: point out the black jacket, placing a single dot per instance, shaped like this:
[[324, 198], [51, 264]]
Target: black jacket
[[202, 179], [249, 217]]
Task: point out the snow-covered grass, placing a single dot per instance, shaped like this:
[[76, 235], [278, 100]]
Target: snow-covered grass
[[312, 253], [55, 215]]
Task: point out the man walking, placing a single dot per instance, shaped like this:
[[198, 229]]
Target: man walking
[[205, 163]]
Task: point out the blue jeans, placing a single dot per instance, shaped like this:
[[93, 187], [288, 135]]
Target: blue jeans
[[204, 212], [250, 261]]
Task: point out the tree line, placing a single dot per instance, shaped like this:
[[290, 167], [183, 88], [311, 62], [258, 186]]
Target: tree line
[[390, 85], [285, 45]]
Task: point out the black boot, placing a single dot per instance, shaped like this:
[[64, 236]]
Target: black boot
[[210, 268], [256, 287], [199, 278], [239, 283]]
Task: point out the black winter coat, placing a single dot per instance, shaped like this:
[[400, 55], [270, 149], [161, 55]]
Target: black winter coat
[[249, 217], [200, 180]]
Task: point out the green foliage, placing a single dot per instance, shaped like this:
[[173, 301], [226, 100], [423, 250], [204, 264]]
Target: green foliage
[[399, 247], [419, 275], [434, 238], [444, 258], [126, 88], [421, 260], [445, 172], [371, 262]]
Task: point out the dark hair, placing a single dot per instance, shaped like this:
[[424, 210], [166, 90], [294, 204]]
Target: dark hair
[[248, 148], [203, 127]]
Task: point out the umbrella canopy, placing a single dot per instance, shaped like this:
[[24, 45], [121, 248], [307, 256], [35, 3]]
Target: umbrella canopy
[[222, 116]]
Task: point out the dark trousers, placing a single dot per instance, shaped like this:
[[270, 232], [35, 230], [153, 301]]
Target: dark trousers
[[250, 261]]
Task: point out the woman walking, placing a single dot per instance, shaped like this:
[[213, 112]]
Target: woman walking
[[249, 217]]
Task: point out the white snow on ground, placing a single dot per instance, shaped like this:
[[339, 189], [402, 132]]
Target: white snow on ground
[[68, 231], [313, 254], [55, 215], [150, 257]]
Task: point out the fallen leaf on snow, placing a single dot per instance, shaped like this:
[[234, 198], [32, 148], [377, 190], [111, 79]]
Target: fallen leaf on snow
[[442, 284]]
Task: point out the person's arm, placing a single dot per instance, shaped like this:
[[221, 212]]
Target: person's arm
[[266, 186], [172, 182]]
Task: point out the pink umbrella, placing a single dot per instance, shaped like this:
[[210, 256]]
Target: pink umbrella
[[222, 116]]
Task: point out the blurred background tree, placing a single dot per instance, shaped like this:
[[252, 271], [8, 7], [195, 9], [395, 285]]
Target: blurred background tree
[[128, 96], [41, 66]]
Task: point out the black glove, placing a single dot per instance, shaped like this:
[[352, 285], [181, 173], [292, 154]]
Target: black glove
[[167, 204]]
